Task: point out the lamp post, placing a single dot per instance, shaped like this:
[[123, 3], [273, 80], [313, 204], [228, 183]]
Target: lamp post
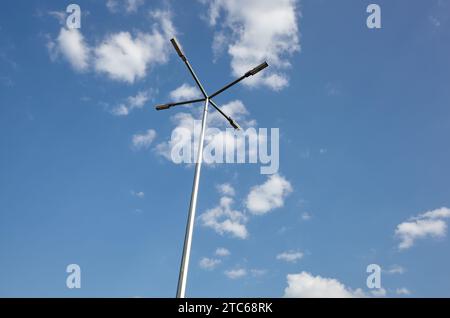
[[207, 99]]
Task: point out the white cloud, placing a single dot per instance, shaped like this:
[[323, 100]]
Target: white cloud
[[396, 269], [72, 46], [306, 216], [261, 199], [112, 5], [428, 224], [408, 232], [6, 81], [290, 256], [219, 44], [268, 196], [379, 292], [184, 92], [121, 56], [402, 291], [221, 251], [256, 30], [226, 189], [180, 137], [125, 58], [333, 89], [258, 272], [139, 194], [133, 5], [187, 128], [143, 141], [234, 109], [58, 15], [434, 21], [236, 273], [223, 219], [441, 213], [305, 285], [132, 102], [209, 263], [130, 6]]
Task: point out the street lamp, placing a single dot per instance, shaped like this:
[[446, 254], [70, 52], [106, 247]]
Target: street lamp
[[207, 99]]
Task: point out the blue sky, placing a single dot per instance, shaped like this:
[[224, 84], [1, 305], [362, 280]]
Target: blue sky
[[364, 122]]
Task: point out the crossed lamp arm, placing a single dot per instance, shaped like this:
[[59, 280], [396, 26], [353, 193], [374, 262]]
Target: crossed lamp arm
[[183, 57]]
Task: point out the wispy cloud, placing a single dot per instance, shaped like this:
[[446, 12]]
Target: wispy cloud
[[395, 269], [236, 273], [290, 256], [428, 224], [403, 291], [378, 292], [435, 21], [333, 89], [6, 81], [223, 219], [130, 6], [209, 263], [131, 103], [58, 15], [184, 92], [143, 141], [222, 252], [306, 216], [225, 189], [255, 272], [139, 194]]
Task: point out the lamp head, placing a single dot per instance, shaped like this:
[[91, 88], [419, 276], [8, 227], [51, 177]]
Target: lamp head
[[234, 124], [177, 47], [257, 69], [163, 107]]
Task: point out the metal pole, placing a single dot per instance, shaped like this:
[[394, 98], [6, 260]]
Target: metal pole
[[181, 290]]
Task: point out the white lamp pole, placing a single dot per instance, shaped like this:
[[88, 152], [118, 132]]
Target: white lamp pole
[[181, 290], [182, 279]]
